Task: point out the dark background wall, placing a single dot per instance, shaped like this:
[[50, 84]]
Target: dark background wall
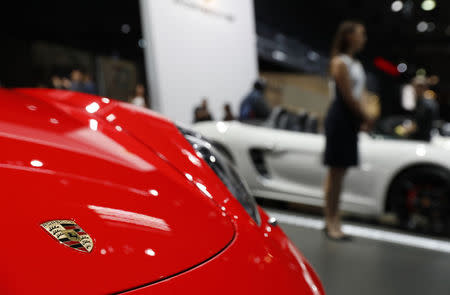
[[96, 27]]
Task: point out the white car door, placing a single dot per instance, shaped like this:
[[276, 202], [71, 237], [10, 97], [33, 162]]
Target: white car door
[[294, 163], [296, 171]]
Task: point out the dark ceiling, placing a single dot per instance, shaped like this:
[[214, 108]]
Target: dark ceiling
[[392, 35], [92, 26], [97, 25], [83, 24]]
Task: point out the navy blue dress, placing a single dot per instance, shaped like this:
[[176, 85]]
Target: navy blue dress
[[341, 132]]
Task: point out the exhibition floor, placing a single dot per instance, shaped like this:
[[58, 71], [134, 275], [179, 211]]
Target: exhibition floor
[[376, 261]]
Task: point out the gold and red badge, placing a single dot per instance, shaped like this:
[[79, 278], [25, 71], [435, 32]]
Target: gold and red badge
[[70, 234]]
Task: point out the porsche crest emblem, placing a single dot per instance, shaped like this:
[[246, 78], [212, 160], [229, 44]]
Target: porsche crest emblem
[[67, 232]]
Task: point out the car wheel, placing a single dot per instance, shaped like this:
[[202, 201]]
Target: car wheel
[[419, 197]]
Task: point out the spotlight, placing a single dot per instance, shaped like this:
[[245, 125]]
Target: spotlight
[[313, 56], [279, 55], [402, 67], [422, 26], [397, 6], [431, 27], [125, 28], [428, 5], [142, 44]]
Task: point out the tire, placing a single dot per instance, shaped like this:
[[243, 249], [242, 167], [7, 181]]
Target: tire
[[420, 199]]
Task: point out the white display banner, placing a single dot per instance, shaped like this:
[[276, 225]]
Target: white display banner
[[196, 49]]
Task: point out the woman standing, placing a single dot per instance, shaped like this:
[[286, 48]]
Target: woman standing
[[344, 119]]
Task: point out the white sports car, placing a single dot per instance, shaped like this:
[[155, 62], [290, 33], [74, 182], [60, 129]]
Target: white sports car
[[408, 178]]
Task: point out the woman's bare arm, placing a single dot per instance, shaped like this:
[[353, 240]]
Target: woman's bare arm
[[340, 74]]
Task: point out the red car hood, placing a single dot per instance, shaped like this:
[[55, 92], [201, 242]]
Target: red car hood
[[63, 158]]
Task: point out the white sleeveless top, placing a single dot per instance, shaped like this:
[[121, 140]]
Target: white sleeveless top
[[357, 76]]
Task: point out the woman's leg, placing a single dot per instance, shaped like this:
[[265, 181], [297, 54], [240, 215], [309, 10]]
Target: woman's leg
[[333, 188]]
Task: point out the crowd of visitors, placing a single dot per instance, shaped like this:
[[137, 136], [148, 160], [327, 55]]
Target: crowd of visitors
[[82, 81], [78, 80]]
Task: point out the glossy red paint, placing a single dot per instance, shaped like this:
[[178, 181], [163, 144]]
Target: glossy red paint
[[131, 181], [261, 261]]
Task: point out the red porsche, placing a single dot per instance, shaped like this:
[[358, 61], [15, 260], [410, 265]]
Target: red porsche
[[101, 197]]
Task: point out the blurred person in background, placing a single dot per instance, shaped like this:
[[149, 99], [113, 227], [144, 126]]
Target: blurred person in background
[[67, 84], [254, 105], [425, 114], [201, 113], [138, 99], [77, 80], [56, 82], [88, 84], [228, 113], [344, 119]]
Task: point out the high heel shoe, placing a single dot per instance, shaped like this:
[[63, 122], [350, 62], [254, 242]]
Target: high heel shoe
[[343, 238]]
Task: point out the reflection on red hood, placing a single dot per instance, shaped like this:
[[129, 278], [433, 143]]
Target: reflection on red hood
[[128, 178], [64, 158]]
